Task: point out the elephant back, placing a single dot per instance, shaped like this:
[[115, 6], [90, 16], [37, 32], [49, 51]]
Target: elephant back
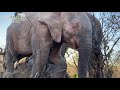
[[97, 32]]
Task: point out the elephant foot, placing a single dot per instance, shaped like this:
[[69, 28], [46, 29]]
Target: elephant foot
[[8, 75], [56, 71]]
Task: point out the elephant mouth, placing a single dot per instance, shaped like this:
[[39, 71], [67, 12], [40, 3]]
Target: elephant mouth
[[74, 43]]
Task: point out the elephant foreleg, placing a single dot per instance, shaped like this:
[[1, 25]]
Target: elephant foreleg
[[11, 55], [41, 43], [40, 60], [59, 66]]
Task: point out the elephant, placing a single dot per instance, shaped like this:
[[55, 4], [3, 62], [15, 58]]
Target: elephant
[[39, 32], [95, 66], [97, 36], [21, 42], [73, 28], [28, 38]]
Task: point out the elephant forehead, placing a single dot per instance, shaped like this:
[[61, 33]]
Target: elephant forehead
[[42, 15], [74, 17], [69, 16], [49, 17]]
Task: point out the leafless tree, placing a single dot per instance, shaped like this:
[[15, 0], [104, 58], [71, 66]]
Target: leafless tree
[[110, 22]]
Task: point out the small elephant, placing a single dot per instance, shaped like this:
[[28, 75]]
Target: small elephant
[[97, 36]]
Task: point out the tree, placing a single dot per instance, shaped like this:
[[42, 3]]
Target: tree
[[110, 22]]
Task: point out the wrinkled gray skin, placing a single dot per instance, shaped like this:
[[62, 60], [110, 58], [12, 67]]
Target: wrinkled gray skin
[[97, 36], [95, 66], [77, 33], [54, 71], [73, 28], [26, 38]]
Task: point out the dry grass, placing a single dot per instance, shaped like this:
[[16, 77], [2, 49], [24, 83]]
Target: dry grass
[[116, 72], [71, 70]]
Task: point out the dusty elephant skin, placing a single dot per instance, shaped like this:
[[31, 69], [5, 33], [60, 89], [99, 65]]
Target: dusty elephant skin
[[77, 33], [30, 37], [95, 66], [24, 39], [97, 36]]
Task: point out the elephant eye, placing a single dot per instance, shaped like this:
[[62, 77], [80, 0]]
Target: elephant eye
[[74, 25], [42, 22]]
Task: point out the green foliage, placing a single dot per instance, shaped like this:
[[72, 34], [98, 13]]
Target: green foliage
[[75, 76]]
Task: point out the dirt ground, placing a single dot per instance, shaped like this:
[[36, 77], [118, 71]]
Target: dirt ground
[[116, 72], [71, 70]]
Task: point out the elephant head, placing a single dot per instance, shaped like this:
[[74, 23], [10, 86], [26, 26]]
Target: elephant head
[[77, 33], [97, 36]]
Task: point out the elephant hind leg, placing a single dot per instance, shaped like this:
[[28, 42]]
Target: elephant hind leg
[[10, 56], [10, 61]]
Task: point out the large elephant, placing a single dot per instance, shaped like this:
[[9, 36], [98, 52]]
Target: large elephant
[[31, 37], [36, 34]]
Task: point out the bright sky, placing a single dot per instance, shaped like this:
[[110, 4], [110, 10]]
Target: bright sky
[[5, 21]]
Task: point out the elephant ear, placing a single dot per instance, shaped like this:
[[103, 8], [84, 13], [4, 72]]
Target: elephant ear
[[55, 26], [56, 31]]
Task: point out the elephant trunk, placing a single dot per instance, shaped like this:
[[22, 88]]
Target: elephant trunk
[[63, 49], [85, 49]]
